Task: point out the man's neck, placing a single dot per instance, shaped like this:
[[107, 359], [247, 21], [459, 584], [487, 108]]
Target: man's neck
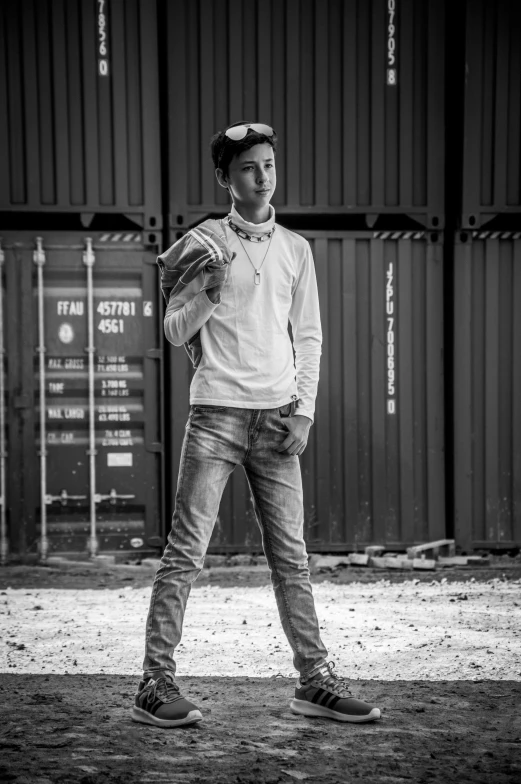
[[253, 214]]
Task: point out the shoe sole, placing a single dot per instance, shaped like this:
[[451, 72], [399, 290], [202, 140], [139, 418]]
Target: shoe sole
[[305, 708], [138, 714]]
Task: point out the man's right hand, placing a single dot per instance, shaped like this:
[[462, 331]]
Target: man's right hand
[[214, 280]]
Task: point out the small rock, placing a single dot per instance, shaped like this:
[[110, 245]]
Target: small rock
[[151, 563], [240, 560], [374, 549], [215, 560]]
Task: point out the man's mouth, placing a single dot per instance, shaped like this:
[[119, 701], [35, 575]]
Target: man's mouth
[[264, 190]]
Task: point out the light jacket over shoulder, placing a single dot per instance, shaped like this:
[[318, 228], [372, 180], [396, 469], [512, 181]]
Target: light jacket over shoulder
[[202, 248]]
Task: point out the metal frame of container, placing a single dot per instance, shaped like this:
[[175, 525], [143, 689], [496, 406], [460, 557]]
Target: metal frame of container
[[487, 389], [79, 109], [90, 355], [320, 73], [374, 469], [492, 123]]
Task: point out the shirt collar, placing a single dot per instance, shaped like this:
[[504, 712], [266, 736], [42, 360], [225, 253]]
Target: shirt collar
[[256, 229]]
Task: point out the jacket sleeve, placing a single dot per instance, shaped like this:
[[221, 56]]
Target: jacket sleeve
[[304, 317], [187, 311]]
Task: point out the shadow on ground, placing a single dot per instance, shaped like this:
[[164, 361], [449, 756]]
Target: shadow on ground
[[78, 576], [78, 728]]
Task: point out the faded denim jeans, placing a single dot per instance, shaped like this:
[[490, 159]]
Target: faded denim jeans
[[216, 440]]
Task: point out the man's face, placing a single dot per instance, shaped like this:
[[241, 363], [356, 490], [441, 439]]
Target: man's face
[[251, 177]]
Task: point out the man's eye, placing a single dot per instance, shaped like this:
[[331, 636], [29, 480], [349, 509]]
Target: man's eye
[[247, 168]]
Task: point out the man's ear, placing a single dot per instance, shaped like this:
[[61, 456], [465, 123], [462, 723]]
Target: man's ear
[[221, 179]]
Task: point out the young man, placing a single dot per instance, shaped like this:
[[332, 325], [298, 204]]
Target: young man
[[251, 405]]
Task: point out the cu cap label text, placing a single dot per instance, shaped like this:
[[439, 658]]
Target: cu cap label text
[[392, 73], [103, 40]]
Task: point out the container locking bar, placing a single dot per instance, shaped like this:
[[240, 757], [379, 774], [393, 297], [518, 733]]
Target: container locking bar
[[4, 545], [39, 260], [88, 260], [112, 497], [63, 497]]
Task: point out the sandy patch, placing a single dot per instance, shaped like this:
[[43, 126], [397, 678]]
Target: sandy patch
[[406, 631]]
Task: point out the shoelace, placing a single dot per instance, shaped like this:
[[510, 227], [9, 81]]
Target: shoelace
[[165, 690], [334, 682]]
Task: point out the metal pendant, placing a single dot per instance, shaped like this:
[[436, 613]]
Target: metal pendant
[[257, 277]]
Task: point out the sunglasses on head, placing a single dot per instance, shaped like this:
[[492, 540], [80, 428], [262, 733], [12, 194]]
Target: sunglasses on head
[[238, 132]]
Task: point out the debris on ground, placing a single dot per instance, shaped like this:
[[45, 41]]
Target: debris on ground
[[440, 657]]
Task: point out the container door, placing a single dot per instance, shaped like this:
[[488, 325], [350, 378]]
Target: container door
[[115, 404]]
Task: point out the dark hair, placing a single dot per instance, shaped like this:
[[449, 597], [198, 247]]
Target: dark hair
[[224, 149]]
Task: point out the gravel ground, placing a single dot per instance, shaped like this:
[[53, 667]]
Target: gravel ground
[[406, 631], [440, 655]]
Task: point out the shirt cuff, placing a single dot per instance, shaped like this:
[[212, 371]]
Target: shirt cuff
[[305, 412], [210, 301]]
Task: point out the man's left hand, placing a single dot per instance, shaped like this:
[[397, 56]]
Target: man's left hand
[[297, 438]]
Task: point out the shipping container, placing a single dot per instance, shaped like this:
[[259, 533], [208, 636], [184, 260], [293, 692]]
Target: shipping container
[[492, 122], [487, 389], [354, 89], [374, 467], [79, 108], [83, 339]]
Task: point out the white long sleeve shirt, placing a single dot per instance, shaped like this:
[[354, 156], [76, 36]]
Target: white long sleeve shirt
[[247, 359]]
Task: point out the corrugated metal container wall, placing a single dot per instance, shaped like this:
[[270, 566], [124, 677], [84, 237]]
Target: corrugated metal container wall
[[374, 467], [79, 110], [487, 389], [354, 89], [70, 299], [492, 133]]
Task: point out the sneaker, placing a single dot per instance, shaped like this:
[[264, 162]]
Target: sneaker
[[160, 703], [326, 694]]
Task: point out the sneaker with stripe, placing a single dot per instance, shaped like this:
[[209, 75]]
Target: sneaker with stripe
[[160, 702], [325, 694]]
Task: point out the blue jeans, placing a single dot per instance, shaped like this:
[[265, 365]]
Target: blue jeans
[[216, 440]]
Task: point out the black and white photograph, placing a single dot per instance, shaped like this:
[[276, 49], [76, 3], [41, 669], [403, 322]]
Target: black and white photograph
[[260, 391]]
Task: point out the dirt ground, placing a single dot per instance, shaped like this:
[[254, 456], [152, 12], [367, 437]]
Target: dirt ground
[[440, 653]]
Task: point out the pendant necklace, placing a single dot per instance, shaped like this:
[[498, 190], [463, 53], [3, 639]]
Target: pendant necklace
[[257, 269]]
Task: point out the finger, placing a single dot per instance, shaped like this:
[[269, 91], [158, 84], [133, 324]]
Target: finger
[[288, 443], [295, 450]]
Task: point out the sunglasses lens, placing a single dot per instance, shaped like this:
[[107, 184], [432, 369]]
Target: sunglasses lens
[[260, 128], [239, 131]]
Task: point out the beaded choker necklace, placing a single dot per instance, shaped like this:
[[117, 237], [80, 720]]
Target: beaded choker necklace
[[250, 237]]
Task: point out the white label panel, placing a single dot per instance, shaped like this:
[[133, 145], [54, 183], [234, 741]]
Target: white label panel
[[119, 459]]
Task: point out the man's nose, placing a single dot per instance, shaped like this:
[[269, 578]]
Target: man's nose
[[262, 176]]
